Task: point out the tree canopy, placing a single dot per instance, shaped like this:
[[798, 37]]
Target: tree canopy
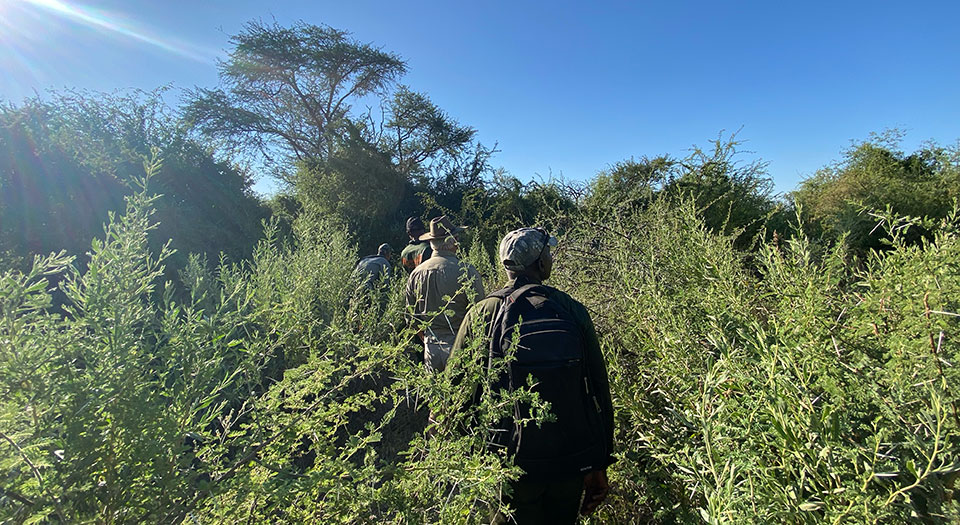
[[418, 131], [288, 91], [67, 162]]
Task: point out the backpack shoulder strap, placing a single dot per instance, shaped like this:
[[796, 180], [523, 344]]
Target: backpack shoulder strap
[[513, 293], [523, 290]]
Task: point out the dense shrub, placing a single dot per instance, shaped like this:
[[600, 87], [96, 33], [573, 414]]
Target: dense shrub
[[69, 160], [276, 393], [811, 392], [783, 385], [875, 174], [102, 406], [732, 195]]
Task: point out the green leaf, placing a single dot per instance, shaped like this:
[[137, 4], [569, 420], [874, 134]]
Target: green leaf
[[912, 468]]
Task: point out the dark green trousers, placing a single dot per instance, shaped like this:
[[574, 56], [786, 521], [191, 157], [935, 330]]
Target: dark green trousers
[[545, 502]]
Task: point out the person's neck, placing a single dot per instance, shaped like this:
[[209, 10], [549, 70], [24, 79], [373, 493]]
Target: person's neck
[[526, 277]]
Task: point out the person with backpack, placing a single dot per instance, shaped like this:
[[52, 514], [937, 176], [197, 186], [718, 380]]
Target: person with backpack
[[552, 338]]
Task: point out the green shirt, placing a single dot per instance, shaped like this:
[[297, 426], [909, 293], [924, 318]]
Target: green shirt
[[486, 309], [414, 254]]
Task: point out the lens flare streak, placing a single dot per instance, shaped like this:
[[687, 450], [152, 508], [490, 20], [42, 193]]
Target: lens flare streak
[[100, 20]]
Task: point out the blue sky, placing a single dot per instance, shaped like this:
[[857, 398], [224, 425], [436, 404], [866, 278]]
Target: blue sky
[[563, 88]]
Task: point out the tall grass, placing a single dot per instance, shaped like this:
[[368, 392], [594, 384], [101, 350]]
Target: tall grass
[[789, 385]]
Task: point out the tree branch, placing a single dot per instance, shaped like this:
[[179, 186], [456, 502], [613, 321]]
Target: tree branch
[[36, 472]]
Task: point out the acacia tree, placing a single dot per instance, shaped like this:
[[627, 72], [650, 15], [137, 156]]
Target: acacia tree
[[287, 95], [288, 92], [418, 131]]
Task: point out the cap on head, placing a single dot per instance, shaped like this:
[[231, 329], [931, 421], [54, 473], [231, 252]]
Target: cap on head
[[384, 250], [521, 248], [440, 228], [414, 225]]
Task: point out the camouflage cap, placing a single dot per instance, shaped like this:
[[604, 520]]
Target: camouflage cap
[[521, 248]]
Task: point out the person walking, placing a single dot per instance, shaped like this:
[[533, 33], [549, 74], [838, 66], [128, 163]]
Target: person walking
[[551, 337], [441, 276], [372, 269], [416, 251]]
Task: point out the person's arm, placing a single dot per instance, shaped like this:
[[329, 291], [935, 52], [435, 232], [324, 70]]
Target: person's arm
[[408, 295], [597, 373], [596, 485], [465, 333], [471, 345], [410, 298], [475, 324], [460, 358]]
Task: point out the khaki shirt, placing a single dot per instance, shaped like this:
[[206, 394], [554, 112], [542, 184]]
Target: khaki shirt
[[441, 275]]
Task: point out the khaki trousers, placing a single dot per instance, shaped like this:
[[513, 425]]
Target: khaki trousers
[[436, 351]]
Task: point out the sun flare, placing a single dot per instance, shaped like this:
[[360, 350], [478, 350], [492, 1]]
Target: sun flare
[[103, 22]]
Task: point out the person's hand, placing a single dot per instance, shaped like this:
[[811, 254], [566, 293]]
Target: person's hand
[[596, 487]]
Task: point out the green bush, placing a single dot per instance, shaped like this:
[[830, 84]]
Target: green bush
[[784, 385], [797, 390], [69, 160], [275, 393], [102, 406], [874, 174]]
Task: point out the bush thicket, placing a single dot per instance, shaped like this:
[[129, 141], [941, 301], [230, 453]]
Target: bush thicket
[[69, 160], [788, 386], [876, 174], [768, 363]]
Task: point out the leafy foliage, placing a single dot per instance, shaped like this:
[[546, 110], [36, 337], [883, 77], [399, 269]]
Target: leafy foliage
[[273, 393], [67, 162], [419, 131], [802, 377], [788, 386], [119, 386], [731, 196], [778, 397], [838, 200], [289, 91]]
